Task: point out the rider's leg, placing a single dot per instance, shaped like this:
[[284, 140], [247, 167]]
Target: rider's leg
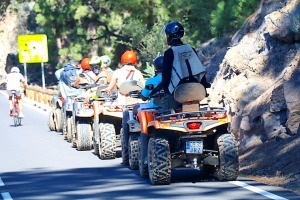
[[10, 105], [20, 101]]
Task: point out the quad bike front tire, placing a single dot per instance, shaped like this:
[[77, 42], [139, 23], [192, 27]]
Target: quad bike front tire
[[58, 119], [228, 158], [125, 138], [159, 161], [84, 136], [107, 144], [51, 123], [133, 151], [142, 150]]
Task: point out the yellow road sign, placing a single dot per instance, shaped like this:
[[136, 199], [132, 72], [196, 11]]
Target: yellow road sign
[[33, 48]]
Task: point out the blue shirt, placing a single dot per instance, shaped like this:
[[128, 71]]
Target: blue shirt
[[146, 93]]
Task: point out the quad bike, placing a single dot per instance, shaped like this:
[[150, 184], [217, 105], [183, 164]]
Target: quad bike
[[108, 116], [55, 114], [192, 137], [131, 130], [68, 121], [107, 119], [82, 116]]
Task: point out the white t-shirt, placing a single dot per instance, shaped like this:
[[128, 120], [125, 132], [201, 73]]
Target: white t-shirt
[[126, 73], [14, 81]]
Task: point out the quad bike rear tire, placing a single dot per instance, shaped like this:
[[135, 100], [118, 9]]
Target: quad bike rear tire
[[51, 123], [228, 158], [133, 151], [107, 144], [69, 129], [159, 161], [58, 119], [142, 149], [84, 136], [125, 138]]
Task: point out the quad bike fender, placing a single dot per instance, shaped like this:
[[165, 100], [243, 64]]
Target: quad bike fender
[[145, 117], [59, 103], [134, 126]]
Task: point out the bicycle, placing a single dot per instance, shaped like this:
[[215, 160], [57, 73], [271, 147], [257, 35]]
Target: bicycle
[[15, 112]]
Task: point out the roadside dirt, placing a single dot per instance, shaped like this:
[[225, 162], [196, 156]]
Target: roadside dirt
[[275, 162]]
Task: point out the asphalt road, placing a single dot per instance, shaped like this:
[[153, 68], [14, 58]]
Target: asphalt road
[[36, 164]]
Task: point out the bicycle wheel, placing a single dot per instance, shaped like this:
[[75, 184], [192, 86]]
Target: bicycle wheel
[[17, 119]]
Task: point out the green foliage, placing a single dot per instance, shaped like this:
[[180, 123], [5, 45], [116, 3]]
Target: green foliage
[[79, 28], [229, 15]]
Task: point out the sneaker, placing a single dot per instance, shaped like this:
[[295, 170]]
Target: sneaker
[[11, 112], [21, 115]]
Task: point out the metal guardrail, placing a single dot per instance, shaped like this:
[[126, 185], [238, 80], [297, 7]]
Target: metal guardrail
[[40, 96]]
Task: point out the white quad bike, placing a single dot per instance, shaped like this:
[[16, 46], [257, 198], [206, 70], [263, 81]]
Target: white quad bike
[[55, 115], [108, 114]]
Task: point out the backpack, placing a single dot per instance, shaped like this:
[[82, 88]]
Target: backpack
[[68, 75]]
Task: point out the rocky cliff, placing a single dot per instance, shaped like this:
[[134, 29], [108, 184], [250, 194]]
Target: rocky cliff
[[257, 76]]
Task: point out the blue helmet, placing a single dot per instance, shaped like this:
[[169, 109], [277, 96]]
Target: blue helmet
[[174, 30], [158, 63]]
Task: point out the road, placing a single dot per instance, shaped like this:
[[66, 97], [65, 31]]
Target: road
[[36, 164]]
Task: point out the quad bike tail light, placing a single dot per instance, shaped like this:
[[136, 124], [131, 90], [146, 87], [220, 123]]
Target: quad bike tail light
[[193, 125]]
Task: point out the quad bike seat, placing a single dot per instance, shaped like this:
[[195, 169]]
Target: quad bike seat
[[190, 94], [129, 86]]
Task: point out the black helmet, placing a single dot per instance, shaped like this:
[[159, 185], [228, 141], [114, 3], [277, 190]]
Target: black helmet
[[158, 63], [174, 30]]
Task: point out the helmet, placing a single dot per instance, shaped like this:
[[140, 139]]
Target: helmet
[[174, 30], [129, 57], [105, 60], [15, 69], [96, 64], [85, 64], [158, 63], [96, 60]]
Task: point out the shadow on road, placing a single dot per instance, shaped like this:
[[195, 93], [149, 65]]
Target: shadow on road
[[103, 183]]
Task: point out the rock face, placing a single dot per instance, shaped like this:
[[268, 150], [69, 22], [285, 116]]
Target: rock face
[[258, 74], [258, 77]]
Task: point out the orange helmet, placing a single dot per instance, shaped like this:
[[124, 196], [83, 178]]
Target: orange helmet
[[85, 64], [129, 57]]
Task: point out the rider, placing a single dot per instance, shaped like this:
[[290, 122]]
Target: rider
[[153, 82], [106, 70], [126, 72], [181, 64], [14, 80], [67, 80]]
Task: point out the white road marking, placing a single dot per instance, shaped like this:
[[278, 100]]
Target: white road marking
[[1, 182], [257, 190], [6, 196]]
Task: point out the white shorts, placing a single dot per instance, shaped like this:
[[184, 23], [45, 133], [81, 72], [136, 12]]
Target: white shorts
[[18, 92]]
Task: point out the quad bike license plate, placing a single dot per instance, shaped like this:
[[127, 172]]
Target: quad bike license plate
[[195, 147]]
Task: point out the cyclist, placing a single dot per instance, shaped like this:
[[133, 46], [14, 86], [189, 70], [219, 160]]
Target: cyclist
[[181, 64], [15, 81]]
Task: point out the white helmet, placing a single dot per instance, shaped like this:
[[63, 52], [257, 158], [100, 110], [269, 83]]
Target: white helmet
[[105, 60], [15, 69]]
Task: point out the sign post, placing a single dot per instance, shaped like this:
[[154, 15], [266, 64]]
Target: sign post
[[33, 48]]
